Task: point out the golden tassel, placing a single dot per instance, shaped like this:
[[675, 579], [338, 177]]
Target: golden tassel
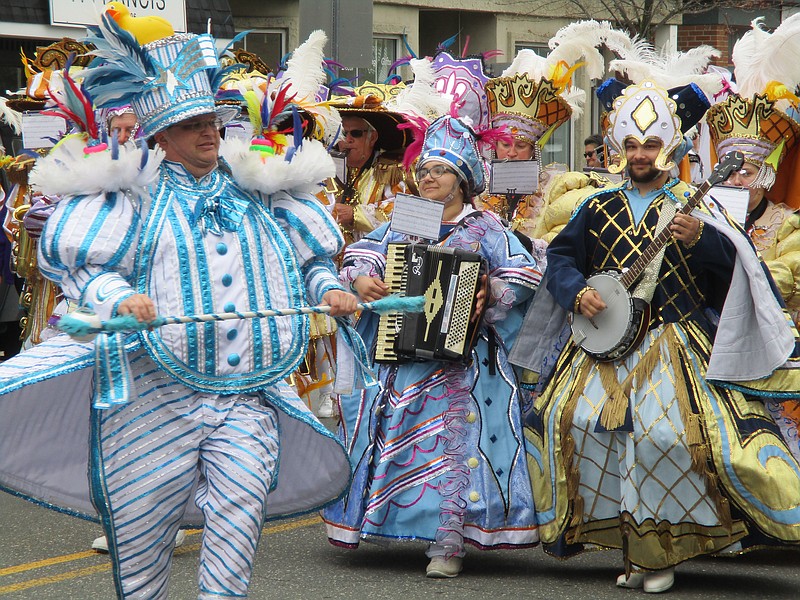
[[612, 415]]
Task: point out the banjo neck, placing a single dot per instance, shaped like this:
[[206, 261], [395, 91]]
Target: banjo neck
[[632, 274]]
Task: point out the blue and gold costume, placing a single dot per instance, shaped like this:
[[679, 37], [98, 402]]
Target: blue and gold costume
[[694, 467]]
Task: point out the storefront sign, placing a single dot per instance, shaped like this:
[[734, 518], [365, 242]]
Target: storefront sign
[[79, 13]]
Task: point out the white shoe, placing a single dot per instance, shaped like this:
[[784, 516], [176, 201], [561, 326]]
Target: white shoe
[[656, 582], [325, 410], [180, 537], [444, 568], [101, 544], [634, 582]]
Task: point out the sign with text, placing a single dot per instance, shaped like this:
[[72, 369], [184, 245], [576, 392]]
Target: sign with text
[[79, 13], [733, 199], [514, 177], [417, 216], [41, 131]]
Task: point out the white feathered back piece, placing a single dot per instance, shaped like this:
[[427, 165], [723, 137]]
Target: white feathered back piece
[[668, 69], [761, 57], [305, 74], [421, 98], [12, 117], [577, 42]]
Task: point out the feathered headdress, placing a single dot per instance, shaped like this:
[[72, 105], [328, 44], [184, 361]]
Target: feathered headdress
[[759, 120], [87, 160], [166, 81]]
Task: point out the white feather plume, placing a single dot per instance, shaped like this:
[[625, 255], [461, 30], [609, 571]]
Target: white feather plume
[[421, 98], [310, 166], [670, 69], [580, 42], [81, 174], [761, 57], [527, 61], [12, 117], [304, 69]]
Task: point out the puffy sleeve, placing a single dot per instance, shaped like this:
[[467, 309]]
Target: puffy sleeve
[[366, 257], [88, 247], [316, 239], [785, 266]]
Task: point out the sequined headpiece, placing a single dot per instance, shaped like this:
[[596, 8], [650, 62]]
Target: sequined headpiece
[[527, 108], [451, 141], [166, 81], [645, 111]]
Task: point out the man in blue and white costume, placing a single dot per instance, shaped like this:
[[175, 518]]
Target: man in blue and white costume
[[184, 412]]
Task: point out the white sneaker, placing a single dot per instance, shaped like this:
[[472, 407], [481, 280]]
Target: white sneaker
[[656, 582], [325, 410], [101, 544], [442, 568], [634, 582]]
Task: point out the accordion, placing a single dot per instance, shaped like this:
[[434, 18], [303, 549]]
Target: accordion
[[449, 279]]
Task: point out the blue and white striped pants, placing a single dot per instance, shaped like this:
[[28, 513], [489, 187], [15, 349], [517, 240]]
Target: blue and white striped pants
[[146, 457]]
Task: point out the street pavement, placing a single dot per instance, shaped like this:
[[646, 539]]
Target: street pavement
[[45, 555]]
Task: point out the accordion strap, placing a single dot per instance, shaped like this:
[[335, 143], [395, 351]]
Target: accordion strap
[[474, 213]]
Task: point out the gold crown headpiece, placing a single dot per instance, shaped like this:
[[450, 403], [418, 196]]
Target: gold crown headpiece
[[756, 128], [530, 109]]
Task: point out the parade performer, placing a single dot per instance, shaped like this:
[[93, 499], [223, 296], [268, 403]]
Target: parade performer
[[643, 452], [197, 412], [532, 98], [374, 146], [437, 449], [761, 121]]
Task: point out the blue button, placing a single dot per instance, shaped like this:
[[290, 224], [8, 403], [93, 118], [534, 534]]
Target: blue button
[[230, 307], [232, 334], [227, 280], [222, 248], [233, 359]]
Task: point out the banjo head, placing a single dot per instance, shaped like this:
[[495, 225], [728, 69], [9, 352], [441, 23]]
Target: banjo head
[[612, 324]]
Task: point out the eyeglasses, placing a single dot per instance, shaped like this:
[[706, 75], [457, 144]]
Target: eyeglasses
[[589, 154], [200, 126], [434, 172], [355, 133]]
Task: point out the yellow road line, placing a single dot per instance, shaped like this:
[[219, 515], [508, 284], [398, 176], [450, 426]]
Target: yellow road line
[[73, 574]]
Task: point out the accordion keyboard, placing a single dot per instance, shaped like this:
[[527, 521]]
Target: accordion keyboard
[[389, 325]]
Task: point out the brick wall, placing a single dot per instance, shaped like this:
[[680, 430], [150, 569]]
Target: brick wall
[[717, 35]]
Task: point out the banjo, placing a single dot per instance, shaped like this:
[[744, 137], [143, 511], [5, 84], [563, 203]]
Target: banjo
[[616, 331]]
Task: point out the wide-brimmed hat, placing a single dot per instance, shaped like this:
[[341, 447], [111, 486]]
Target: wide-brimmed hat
[[371, 108]]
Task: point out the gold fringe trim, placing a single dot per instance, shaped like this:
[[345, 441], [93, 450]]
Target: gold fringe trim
[[572, 476], [618, 394], [698, 449]]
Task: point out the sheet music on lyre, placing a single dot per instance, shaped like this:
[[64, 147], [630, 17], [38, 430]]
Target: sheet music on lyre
[[733, 199], [240, 130], [417, 216], [514, 177], [42, 131]]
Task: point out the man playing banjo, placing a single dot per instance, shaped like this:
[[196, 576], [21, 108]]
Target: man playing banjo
[[634, 447]]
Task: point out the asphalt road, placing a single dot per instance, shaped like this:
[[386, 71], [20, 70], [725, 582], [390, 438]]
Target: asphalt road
[[44, 555]]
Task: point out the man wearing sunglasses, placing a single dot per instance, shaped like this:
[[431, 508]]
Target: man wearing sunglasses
[[373, 147]]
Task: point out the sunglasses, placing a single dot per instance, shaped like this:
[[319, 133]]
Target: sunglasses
[[355, 133], [589, 154]]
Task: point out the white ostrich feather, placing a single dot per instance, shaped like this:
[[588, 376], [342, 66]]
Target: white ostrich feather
[[672, 69], [304, 69], [575, 97], [629, 48], [12, 117], [309, 167], [67, 171], [527, 61], [760, 57], [421, 97], [579, 42]]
